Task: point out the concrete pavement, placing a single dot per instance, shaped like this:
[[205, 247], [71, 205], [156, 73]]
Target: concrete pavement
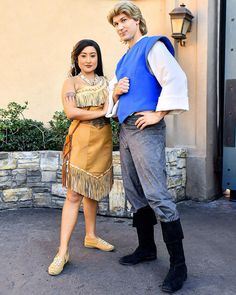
[[29, 238]]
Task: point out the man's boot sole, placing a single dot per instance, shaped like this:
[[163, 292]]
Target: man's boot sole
[[138, 261], [173, 291]]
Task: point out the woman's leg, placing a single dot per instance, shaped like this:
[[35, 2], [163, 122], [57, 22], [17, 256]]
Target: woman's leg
[[69, 219], [91, 240], [90, 214]]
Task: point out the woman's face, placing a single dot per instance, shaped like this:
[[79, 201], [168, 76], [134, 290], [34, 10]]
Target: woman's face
[[88, 60]]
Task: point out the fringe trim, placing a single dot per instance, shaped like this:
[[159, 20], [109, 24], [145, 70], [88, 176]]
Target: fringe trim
[[88, 185], [92, 95]]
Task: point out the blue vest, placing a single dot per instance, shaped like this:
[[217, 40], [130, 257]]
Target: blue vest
[[144, 88]]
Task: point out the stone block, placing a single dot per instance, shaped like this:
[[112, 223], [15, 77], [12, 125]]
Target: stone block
[[29, 160], [33, 172], [5, 173], [25, 204], [181, 153], [33, 179], [42, 186], [3, 155], [174, 181], [5, 181], [103, 206], [173, 171], [8, 163], [117, 170], [26, 155], [181, 163], [42, 200], [173, 194], [10, 196], [19, 176], [10, 205], [60, 159], [116, 158], [123, 213], [176, 152], [49, 176], [117, 197], [184, 177], [116, 165], [57, 202], [49, 160], [170, 155], [58, 190], [59, 176], [178, 193], [18, 194]]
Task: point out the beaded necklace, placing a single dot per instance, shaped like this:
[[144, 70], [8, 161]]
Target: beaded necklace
[[90, 82]]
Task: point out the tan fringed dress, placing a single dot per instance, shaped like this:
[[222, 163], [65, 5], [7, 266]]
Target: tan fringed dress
[[89, 168]]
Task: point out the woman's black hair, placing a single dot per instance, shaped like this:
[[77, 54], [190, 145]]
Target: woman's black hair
[[75, 69]]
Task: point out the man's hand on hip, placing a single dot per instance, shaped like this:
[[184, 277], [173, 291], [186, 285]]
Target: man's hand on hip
[[149, 118]]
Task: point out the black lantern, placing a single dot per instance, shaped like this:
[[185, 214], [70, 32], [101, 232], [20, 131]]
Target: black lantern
[[181, 20]]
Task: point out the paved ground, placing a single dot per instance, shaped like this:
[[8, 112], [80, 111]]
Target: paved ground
[[29, 238]]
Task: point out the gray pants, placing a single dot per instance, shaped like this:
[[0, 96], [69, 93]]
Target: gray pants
[[143, 164]]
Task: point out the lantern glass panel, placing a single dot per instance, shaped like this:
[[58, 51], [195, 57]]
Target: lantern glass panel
[[185, 26], [177, 25]]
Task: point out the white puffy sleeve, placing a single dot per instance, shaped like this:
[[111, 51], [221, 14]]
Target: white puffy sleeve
[[174, 94]]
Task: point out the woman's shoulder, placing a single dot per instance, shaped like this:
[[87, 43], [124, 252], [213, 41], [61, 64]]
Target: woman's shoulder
[[69, 82], [73, 82], [69, 85]]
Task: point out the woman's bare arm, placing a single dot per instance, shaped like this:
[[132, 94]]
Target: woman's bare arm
[[69, 104]]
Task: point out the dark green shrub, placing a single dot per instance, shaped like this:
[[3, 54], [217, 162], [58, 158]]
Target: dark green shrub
[[18, 133], [115, 134], [57, 132]]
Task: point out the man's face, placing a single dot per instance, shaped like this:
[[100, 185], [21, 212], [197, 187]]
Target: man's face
[[126, 27]]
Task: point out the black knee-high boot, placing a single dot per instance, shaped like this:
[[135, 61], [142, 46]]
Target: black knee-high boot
[[144, 220], [173, 236]]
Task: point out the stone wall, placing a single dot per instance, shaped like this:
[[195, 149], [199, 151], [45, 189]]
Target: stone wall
[[33, 179]]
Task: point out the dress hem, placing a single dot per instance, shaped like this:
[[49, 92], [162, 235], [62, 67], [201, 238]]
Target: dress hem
[[87, 184]]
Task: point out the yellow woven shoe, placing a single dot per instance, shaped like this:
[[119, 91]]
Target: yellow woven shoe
[[56, 267], [98, 243]]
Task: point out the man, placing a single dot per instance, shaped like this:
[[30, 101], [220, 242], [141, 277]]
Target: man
[[148, 84]]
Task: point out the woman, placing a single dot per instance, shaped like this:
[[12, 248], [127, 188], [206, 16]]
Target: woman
[[87, 172]]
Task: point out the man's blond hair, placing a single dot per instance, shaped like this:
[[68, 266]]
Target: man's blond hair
[[132, 11]]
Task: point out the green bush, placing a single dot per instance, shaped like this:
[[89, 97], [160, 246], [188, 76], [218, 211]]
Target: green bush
[[20, 134], [57, 132], [115, 134]]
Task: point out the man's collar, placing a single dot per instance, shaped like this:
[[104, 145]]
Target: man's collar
[[138, 40]]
